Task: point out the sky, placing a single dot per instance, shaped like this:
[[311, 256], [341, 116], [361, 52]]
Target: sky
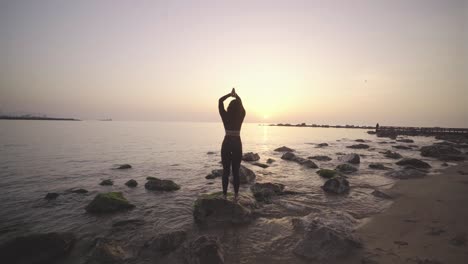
[[323, 62]]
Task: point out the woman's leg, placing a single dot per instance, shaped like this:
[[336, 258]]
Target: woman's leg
[[236, 161], [226, 159]]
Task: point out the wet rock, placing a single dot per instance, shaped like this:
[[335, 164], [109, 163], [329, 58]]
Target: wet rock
[[445, 164], [156, 184], [107, 251], [405, 140], [80, 190], [127, 222], [406, 173], [359, 146], [263, 192], [378, 166], [131, 183], [414, 163], [442, 152], [215, 174], [288, 156], [304, 162], [167, 242], [124, 167], [284, 149], [387, 133], [337, 185], [401, 147], [205, 249], [346, 168], [210, 153], [360, 140], [107, 182], [370, 132], [350, 158], [320, 158], [108, 203], [260, 165], [392, 155], [213, 209], [269, 161], [326, 173], [321, 145], [250, 156], [37, 248], [458, 239], [327, 237], [246, 175], [308, 163], [381, 194], [51, 196]]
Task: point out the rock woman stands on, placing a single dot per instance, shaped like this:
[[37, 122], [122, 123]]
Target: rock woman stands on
[[231, 149]]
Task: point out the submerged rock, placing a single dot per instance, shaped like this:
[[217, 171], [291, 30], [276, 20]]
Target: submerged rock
[[269, 161], [326, 173], [37, 248], [261, 165], [346, 168], [350, 158], [80, 190], [378, 166], [359, 146], [131, 183], [443, 152], [360, 140], [167, 242], [263, 192], [250, 156], [321, 145], [107, 182], [406, 173], [124, 167], [320, 158], [213, 209], [392, 155], [401, 147], [405, 140], [107, 251], [126, 222], [337, 185], [156, 184], [414, 163], [108, 203], [205, 249], [51, 196], [381, 194], [305, 162], [284, 149]]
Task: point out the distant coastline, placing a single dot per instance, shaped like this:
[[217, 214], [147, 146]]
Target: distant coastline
[[29, 117], [326, 126]]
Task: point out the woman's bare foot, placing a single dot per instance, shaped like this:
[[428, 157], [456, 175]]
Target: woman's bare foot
[[225, 196], [236, 198]]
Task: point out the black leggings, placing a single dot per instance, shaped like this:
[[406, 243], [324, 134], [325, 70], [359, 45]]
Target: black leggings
[[231, 153]]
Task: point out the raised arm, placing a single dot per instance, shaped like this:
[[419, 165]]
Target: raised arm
[[221, 104]]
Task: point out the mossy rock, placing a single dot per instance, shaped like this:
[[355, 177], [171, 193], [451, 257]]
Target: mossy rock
[[108, 203], [161, 185], [327, 173]]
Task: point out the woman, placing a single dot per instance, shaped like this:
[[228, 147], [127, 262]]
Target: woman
[[231, 150]]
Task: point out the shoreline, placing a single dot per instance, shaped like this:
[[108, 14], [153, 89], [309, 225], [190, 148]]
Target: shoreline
[[427, 222]]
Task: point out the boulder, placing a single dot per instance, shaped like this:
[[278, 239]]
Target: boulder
[[413, 163], [250, 156], [326, 237], [284, 149], [246, 175], [359, 146], [107, 251], [205, 249], [392, 155], [326, 173], [167, 242], [405, 140], [289, 156], [156, 184], [213, 209], [321, 145], [346, 168], [263, 192], [406, 173], [350, 158], [308, 163], [320, 158], [261, 165], [131, 183], [124, 167], [51, 196], [401, 147], [215, 174], [337, 185], [108, 203], [269, 161], [443, 152], [37, 248], [107, 182], [378, 166], [304, 162]]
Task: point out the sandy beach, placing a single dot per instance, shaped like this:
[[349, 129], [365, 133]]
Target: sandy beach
[[427, 223]]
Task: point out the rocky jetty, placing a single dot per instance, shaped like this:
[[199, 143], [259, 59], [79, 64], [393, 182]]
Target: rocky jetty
[[131, 183], [284, 149], [37, 248], [336, 185], [204, 249], [156, 184], [359, 146], [263, 192], [352, 158], [304, 162], [416, 163], [108, 203], [326, 173], [250, 156], [320, 158]]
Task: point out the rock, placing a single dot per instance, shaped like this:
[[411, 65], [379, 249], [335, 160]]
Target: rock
[[414, 163], [378, 166], [269, 161], [459, 239], [305, 162], [260, 165], [320, 158], [327, 237], [124, 167], [167, 242], [37, 248], [210, 153], [51, 196], [370, 132], [108, 203], [405, 140], [445, 164], [380, 194], [309, 164], [215, 174], [360, 140], [442, 152], [128, 222], [156, 184], [392, 155], [107, 182], [246, 175], [337, 185], [288, 156], [452, 158], [80, 190], [107, 251], [326, 173], [213, 209], [346, 168], [350, 158], [321, 145], [401, 147], [387, 133], [205, 249], [284, 149], [263, 192], [359, 146], [131, 183], [408, 173], [250, 156]]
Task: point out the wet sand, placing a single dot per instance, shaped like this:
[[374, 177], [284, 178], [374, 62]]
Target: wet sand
[[427, 223]]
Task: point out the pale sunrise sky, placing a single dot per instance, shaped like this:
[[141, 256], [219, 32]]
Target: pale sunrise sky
[[334, 62]]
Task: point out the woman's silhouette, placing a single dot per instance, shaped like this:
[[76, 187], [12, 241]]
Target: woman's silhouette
[[231, 149]]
